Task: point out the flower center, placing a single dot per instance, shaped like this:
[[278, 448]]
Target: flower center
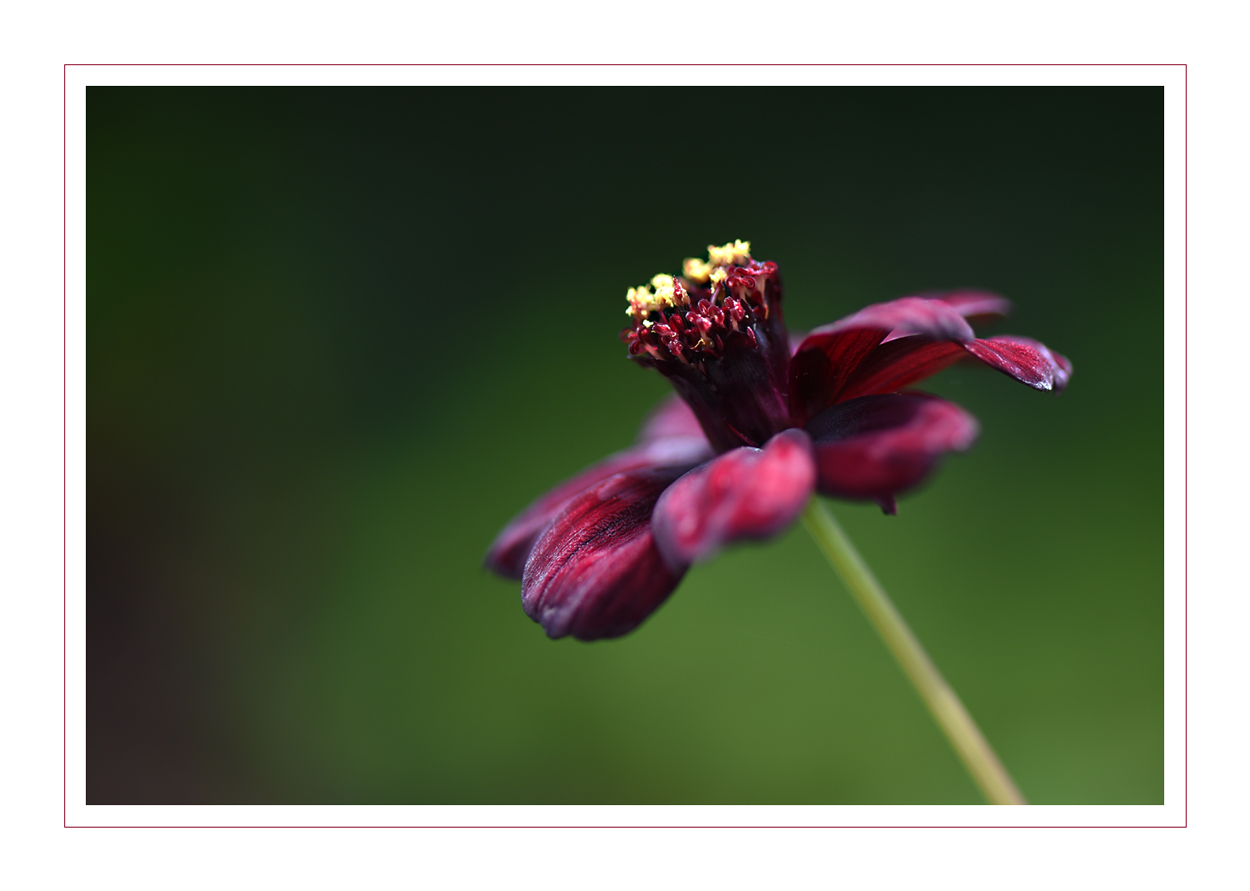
[[688, 318], [716, 332]]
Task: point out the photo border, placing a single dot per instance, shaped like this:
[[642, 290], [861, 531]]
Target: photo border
[[1173, 813]]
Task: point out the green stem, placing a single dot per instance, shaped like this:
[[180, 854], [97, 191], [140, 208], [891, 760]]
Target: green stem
[[948, 711]]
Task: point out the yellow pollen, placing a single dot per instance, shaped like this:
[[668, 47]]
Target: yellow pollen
[[696, 270], [642, 301], [671, 293], [736, 253], [639, 301], [665, 296]]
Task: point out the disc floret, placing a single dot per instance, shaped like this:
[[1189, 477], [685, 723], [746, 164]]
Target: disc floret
[[715, 330], [690, 317]]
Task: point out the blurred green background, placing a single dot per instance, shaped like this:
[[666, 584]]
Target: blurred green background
[[338, 337]]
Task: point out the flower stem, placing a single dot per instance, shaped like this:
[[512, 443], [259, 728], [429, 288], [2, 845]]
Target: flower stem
[[947, 710]]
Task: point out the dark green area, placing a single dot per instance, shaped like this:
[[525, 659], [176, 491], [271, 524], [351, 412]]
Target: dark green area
[[337, 338]]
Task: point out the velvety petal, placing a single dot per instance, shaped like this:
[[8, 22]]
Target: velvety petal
[[596, 572], [898, 363], [511, 548], [672, 417], [830, 355], [744, 493], [1024, 359], [796, 340], [907, 315], [739, 395], [822, 365], [873, 447], [975, 306]]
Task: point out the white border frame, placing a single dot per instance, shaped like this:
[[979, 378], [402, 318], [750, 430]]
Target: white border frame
[[1173, 813]]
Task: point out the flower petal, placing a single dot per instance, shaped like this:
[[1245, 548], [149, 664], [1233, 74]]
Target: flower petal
[[897, 363], [796, 340], [900, 361], [744, 493], [907, 315], [821, 367], [596, 572], [672, 417], [738, 395], [1024, 359], [873, 447], [830, 355], [976, 306], [511, 548]]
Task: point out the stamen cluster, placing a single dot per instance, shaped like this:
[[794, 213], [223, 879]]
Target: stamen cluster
[[689, 318]]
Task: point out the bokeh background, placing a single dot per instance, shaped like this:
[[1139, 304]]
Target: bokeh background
[[338, 337]]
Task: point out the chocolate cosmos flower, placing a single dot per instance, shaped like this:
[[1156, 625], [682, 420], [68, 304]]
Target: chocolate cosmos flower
[[757, 429]]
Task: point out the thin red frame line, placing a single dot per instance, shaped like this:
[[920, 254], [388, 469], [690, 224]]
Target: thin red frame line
[[64, 449], [611, 826], [64, 385], [628, 64]]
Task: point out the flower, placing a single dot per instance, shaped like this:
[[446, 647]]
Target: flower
[[757, 429]]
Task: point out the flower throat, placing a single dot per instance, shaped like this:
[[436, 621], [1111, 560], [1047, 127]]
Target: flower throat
[[689, 318], [716, 332]]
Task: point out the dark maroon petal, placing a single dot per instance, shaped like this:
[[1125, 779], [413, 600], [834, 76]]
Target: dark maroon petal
[[796, 340], [744, 493], [975, 306], [738, 395], [1024, 359], [822, 365], [907, 315], [596, 572], [511, 548], [830, 355], [900, 363], [670, 418], [873, 447]]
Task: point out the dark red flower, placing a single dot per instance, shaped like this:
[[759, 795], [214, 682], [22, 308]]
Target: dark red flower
[[757, 429]]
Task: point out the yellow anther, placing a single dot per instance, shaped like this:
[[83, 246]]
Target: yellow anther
[[696, 270], [733, 254], [670, 293], [640, 301]]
